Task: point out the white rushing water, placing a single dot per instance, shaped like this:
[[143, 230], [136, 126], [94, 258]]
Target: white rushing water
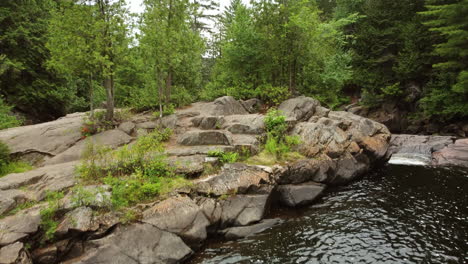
[[410, 159]]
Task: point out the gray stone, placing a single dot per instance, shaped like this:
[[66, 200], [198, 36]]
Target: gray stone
[[245, 231], [244, 124], [298, 195], [300, 108], [80, 220], [110, 138], [136, 244], [227, 105], [235, 177], [211, 208], [179, 215], [187, 165], [147, 125], [252, 105], [197, 150], [14, 254], [454, 154], [127, 127], [9, 199], [39, 181], [242, 210], [208, 137], [18, 226], [35, 142]]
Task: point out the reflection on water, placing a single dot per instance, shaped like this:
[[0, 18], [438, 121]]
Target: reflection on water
[[399, 214]]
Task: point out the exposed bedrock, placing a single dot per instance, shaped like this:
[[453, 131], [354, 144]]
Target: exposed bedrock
[[429, 150], [233, 201]]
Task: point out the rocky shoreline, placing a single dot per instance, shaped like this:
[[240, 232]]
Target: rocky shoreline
[[231, 203]]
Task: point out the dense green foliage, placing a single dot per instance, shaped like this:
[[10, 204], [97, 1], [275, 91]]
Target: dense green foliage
[[60, 56], [7, 120]]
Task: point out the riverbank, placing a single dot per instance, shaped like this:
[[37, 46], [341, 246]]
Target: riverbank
[[336, 147]]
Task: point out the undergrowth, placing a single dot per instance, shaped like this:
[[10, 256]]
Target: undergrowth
[[135, 173], [7, 165], [278, 147], [49, 221]]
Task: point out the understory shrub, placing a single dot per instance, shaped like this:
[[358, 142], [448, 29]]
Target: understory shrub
[[135, 173], [6, 119], [224, 157], [278, 145]]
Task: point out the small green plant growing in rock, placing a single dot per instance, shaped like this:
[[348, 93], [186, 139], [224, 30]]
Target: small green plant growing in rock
[[7, 165], [278, 145], [48, 215], [278, 142], [224, 157]]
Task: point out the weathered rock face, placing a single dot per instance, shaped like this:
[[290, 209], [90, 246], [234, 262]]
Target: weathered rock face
[[298, 195], [346, 144], [16, 227], [235, 178], [14, 254], [245, 231], [231, 201], [429, 150], [300, 108], [136, 244], [181, 216], [196, 138], [454, 154], [17, 188], [36, 142], [110, 138]]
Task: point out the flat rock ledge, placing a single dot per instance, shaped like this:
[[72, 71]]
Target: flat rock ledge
[[232, 203], [429, 150]]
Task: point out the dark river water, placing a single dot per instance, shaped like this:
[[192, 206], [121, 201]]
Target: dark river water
[[398, 214]]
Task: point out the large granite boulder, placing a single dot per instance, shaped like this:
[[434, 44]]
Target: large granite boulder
[[213, 137], [298, 195], [242, 210], [300, 108], [135, 244], [179, 215], [15, 254], [235, 178], [16, 227]]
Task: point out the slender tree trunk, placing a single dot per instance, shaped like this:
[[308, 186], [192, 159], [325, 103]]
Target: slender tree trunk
[[168, 88], [91, 95], [161, 94], [110, 98]]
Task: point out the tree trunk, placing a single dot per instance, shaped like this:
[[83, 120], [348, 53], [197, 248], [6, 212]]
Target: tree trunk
[[91, 96], [160, 91], [110, 98], [168, 88]]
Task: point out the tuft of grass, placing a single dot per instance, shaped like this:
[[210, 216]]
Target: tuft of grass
[[20, 207], [49, 223], [14, 167]]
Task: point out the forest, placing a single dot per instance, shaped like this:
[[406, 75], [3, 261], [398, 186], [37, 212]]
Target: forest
[[64, 56]]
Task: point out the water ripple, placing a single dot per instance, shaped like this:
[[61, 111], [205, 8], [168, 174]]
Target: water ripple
[[398, 214]]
